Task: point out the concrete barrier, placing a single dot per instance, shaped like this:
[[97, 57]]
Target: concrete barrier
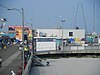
[[28, 66]]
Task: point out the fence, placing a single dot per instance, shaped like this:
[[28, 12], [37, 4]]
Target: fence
[[81, 48], [72, 49]]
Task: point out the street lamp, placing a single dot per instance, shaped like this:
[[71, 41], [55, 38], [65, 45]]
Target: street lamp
[[2, 22], [22, 13], [62, 34]]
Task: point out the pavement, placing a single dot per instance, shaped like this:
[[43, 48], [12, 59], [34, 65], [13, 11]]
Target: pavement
[[69, 66], [11, 60]]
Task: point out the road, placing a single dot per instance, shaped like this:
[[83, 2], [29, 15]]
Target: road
[[11, 60]]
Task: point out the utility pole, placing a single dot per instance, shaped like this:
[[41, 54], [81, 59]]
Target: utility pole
[[22, 13], [62, 33], [94, 16], [22, 54], [23, 39], [33, 41]]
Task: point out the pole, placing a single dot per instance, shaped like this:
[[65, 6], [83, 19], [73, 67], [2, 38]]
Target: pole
[[62, 33], [22, 52], [33, 42], [23, 41], [94, 16], [62, 38]]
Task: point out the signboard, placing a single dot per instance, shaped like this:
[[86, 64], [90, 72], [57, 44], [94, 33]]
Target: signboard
[[18, 31]]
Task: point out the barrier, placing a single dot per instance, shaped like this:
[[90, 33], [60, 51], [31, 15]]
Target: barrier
[[28, 66]]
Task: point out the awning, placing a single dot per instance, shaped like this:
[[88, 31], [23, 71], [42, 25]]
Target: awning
[[83, 39], [77, 40], [71, 39]]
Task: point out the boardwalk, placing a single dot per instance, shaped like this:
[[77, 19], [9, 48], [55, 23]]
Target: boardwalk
[[69, 66]]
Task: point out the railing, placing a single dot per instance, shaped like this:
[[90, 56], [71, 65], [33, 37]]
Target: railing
[[72, 49], [46, 48], [28, 66], [82, 48]]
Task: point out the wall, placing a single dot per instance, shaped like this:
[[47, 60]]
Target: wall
[[77, 33], [40, 46]]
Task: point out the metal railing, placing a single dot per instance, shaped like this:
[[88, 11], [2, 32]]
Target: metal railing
[[81, 48], [72, 49]]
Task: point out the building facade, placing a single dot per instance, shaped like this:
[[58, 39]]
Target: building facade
[[61, 33], [18, 31], [63, 37]]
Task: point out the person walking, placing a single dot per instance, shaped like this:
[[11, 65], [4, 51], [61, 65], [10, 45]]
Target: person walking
[[5, 47], [26, 52]]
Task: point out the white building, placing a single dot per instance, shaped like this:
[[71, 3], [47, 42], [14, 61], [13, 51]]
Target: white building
[[61, 33]]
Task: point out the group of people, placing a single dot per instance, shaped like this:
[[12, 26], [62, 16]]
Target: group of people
[[3, 46], [27, 52]]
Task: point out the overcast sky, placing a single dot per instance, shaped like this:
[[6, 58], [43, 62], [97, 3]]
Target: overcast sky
[[49, 13]]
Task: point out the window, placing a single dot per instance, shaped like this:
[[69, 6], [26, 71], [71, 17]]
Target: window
[[11, 29], [46, 39], [70, 33]]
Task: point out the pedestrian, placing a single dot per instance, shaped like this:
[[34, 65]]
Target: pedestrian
[[5, 47], [20, 47], [2, 45], [0, 61], [59, 47]]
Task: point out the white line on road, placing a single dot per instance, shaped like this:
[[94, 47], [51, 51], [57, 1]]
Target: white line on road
[[10, 59]]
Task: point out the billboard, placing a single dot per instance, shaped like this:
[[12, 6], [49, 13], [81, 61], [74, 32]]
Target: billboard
[[18, 31]]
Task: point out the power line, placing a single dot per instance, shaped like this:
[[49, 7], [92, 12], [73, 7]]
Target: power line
[[3, 6], [76, 15], [84, 19]]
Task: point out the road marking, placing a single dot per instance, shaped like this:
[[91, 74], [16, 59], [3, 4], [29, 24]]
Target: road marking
[[10, 59]]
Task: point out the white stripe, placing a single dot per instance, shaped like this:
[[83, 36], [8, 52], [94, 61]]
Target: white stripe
[[10, 59]]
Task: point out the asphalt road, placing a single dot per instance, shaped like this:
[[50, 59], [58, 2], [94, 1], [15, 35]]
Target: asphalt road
[[11, 60], [8, 52]]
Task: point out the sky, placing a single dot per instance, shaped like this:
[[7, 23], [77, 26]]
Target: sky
[[49, 13]]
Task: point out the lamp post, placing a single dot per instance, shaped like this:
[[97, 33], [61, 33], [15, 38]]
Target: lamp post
[[62, 34], [22, 13], [2, 22]]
